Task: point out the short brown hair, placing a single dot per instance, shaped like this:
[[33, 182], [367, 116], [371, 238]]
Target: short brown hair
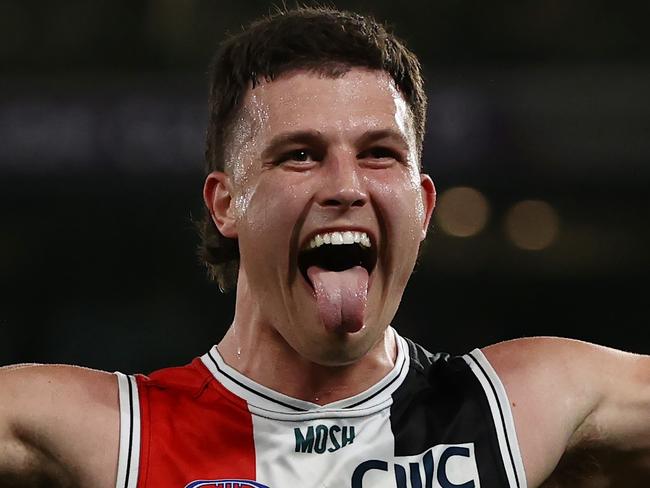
[[319, 39]]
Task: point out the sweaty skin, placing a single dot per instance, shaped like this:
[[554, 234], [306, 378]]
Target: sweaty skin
[[313, 153]]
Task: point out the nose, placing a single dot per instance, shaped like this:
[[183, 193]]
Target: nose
[[341, 186]]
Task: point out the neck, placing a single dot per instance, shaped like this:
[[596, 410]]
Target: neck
[[251, 345]]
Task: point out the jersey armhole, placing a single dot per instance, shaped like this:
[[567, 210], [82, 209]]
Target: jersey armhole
[[129, 453], [501, 412]]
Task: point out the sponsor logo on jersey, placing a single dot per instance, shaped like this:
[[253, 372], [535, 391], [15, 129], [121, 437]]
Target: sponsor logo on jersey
[[322, 438], [442, 466], [225, 484]]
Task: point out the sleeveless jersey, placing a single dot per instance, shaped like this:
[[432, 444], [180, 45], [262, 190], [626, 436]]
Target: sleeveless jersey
[[434, 421]]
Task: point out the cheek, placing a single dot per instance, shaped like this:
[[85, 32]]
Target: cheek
[[399, 199], [269, 212]]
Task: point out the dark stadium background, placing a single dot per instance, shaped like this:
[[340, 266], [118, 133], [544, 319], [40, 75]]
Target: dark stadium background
[[102, 114]]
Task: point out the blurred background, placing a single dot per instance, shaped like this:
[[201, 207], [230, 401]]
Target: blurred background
[[538, 140]]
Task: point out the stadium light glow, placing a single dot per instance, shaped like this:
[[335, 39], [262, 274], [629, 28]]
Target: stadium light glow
[[462, 211], [532, 225]]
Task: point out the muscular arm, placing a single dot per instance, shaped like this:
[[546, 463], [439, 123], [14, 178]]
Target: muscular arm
[[576, 404], [59, 426]]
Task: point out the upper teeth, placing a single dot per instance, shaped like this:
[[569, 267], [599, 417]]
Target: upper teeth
[[337, 238]]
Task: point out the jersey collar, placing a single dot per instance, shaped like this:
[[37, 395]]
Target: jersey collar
[[270, 403]]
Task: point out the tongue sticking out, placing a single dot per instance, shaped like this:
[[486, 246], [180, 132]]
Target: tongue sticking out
[[341, 297]]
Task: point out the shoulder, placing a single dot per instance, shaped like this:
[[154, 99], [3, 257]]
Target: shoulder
[[92, 382], [556, 365], [554, 385], [551, 380], [560, 347], [36, 390], [63, 413]]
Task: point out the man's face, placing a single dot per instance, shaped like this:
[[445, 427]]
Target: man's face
[[311, 155]]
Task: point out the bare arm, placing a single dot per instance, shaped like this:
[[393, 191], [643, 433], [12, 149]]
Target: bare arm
[[59, 426], [576, 404]]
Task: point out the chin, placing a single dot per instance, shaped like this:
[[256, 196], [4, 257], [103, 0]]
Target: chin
[[340, 349]]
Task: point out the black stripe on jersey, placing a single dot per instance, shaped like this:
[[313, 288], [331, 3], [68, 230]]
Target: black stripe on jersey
[[128, 460], [503, 421], [216, 365], [441, 401]]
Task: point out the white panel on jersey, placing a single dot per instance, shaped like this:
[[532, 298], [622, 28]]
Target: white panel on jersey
[[333, 449], [502, 415], [129, 453]]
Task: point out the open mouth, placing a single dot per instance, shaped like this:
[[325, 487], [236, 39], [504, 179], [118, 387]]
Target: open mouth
[[337, 257]]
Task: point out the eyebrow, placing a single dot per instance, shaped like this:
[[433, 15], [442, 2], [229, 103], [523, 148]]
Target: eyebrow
[[392, 135], [310, 137], [314, 137]]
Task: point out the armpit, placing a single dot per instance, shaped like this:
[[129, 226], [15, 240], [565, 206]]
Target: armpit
[[23, 466], [600, 468]]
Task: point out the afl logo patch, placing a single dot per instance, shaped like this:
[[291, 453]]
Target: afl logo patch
[[225, 484]]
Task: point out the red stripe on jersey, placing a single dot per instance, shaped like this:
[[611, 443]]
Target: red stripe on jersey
[[192, 428]]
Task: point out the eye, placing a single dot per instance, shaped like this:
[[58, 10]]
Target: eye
[[380, 153], [297, 155]]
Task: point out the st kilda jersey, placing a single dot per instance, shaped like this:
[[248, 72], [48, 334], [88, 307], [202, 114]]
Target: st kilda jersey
[[434, 421]]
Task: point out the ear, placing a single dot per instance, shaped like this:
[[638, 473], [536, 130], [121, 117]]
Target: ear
[[428, 191], [217, 195]]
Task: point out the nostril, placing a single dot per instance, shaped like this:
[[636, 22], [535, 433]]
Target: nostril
[[332, 202], [345, 198]]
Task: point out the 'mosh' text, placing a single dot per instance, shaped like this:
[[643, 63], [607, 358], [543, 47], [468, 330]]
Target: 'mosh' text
[[323, 438]]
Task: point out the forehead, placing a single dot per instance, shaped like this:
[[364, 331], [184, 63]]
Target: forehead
[[357, 101]]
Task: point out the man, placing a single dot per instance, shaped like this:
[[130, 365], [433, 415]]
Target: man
[[316, 209]]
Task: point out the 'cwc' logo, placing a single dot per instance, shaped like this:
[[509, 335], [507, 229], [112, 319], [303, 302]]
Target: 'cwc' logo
[[226, 484], [444, 466]]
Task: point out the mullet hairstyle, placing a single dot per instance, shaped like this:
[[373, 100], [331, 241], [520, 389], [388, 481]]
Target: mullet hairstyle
[[322, 40]]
